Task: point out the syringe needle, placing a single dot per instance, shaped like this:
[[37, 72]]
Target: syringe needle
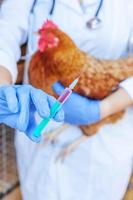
[[74, 83]]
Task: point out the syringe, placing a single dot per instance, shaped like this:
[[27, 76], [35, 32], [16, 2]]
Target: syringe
[[55, 108]]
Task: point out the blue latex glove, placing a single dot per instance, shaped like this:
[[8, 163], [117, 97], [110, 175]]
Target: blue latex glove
[[79, 110], [18, 105]]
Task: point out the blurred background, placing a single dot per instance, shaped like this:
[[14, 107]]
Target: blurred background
[[9, 183]]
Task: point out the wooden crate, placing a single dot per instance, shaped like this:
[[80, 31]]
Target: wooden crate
[[14, 195], [8, 169]]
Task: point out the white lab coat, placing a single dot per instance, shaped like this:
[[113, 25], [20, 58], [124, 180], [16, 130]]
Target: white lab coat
[[101, 167]]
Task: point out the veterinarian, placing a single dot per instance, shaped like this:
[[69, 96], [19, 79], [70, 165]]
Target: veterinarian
[[101, 167]]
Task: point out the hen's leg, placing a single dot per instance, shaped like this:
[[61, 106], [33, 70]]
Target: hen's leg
[[52, 136], [70, 148]]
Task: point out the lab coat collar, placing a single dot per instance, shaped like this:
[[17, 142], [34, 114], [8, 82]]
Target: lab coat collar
[[74, 4], [91, 2]]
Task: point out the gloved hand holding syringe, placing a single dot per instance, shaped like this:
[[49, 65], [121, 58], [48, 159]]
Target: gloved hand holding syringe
[[55, 108]]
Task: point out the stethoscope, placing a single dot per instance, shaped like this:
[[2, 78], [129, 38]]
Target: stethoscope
[[93, 23]]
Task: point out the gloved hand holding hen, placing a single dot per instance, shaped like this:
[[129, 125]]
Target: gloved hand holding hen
[[79, 110]]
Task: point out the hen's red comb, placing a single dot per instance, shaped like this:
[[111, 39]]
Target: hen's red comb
[[47, 39], [49, 24]]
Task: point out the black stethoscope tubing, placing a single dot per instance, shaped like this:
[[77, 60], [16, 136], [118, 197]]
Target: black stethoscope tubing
[[99, 8], [94, 20], [52, 7], [96, 14], [51, 10]]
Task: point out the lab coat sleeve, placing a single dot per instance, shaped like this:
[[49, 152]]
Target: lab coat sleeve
[[128, 83], [130, 46], [13, 32]]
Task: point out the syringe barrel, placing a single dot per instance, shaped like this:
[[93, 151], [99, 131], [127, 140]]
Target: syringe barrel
[[64, 96]]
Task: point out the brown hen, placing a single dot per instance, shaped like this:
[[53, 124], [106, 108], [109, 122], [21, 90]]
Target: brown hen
[[59, 59]]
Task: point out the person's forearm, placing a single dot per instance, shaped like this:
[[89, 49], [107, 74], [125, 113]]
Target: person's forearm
[[114, 103], [5, 76]]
